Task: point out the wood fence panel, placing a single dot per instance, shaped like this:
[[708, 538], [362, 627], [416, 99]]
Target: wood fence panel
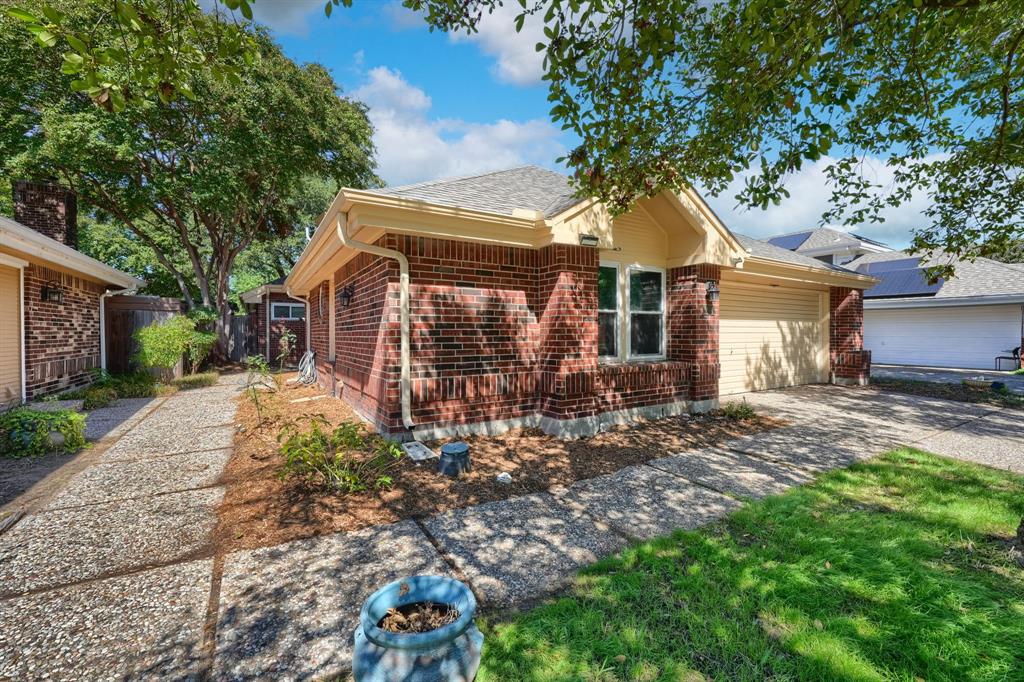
[[124, 316]]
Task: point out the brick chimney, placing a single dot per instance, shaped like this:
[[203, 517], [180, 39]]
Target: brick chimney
[[48, 209]]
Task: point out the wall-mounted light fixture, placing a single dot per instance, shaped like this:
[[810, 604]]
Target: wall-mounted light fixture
[[52, 293], [346, 295], [711, 294], [589, 239]]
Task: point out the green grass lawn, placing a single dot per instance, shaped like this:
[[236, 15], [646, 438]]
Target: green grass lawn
[[894, 569]]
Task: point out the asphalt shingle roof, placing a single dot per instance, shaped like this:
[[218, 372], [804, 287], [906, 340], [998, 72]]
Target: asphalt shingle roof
[[524, 187], [983, 277], [763, 249]]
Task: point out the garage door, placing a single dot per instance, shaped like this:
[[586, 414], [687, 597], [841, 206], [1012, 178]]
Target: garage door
[[771, 337], [10, 336], [964, 336]]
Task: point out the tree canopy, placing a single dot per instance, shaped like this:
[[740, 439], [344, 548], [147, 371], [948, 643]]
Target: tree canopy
[[664, 93], [210, 174]]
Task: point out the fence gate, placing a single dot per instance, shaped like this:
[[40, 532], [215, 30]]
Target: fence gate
[[243, 337], [125, 315]]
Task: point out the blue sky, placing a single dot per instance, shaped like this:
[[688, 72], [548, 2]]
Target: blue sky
[[450, 105]]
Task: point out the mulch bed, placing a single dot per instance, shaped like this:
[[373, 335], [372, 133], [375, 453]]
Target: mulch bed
[[959, 392], [260, 509]]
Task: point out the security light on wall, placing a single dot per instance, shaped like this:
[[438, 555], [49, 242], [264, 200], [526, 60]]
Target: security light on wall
[[589, 239], [346, 295], [711, 294], [52, 293]]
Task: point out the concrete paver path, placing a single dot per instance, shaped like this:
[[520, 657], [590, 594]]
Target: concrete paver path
[[114, 576]]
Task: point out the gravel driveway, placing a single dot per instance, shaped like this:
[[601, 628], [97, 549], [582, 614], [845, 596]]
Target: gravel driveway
[[114, 577]]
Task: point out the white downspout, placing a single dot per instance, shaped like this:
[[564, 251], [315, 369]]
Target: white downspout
[[103, 322], [403, 307], [21, 328]]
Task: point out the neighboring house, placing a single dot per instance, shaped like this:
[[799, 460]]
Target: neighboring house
[[51, 297], [828, 245], [966, 321], [270, 307], [481, 303]]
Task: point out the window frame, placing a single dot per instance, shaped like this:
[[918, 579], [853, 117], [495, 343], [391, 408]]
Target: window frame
[[291, 311], [663, 313], [618, 312]]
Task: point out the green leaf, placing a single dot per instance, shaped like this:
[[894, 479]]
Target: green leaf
[[246, 10], [76, 44], [21, 15]]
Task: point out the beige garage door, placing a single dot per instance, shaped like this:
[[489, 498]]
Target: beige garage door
[[10, 336], [771, 337]]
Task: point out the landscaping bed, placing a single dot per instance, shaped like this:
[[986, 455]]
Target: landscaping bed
[[906, 567], [261, 509], [960, 392]]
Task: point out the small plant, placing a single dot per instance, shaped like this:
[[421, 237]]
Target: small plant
[[739, 411], [1019, 371], [344, 459], [98, 396], [25, 432], [258, 378], [285, 344], [203, 337]]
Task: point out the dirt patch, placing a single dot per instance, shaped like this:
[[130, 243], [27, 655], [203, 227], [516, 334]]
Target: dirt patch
[[260, 509], [421, 616], [958, 392]]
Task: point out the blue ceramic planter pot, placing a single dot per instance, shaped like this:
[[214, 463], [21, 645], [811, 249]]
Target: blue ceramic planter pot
[[448, 654]]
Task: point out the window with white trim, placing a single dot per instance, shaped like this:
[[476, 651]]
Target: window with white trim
[[287, 311], [646, 312], [608, 311], [630, 313]]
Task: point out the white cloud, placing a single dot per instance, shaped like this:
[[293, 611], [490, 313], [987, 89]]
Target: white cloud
[[401, 17], [516, 59], [809, 198], [412, 146], [286, 16]]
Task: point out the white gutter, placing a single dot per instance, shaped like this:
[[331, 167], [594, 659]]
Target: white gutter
[[21, 323], [932, 302], [17, 236], [268, 304], [103, 321], [403, 307]]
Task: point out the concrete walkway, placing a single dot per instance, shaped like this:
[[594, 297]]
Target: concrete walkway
[[947, 375], [114, 578]]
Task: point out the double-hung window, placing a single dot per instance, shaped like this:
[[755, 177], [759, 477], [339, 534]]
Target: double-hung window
[[286, 311], [630, 312]]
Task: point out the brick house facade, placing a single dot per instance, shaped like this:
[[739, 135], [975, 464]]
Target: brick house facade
[[503, 335], [260, 304], [59, 337]]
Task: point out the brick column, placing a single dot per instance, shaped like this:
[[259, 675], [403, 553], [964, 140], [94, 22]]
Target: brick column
[[48, 209], [692, 330], [567, 313], [849, 363]]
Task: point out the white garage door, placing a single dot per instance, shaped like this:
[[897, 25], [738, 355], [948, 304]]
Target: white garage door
[[965, 336], [10, 336], [771, 337]]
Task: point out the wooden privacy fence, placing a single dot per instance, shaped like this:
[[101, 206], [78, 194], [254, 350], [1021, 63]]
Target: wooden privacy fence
[[242, 341], [126, 314]]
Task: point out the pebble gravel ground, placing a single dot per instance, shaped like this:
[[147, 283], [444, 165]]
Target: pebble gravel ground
[[114, 578]]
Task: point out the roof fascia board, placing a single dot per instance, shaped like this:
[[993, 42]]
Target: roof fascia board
[[951, 301], [762, 265], [360, 198], [27, 240]]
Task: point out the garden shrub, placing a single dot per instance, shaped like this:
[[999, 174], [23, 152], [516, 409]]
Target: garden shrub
[[190, 381], [285, 344], [25, 432], [162, 344], [98, 396], [345, 459], [203, 337], [740, 411]]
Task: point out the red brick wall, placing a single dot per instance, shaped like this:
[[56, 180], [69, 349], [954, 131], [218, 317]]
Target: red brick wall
[[367, 337], [692, 330], [319, 333], [277, 327], [849, 362], [48, 209], [62, 340]]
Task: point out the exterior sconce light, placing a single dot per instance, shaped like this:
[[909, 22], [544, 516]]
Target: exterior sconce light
[[711, 294], [346, 295], [589, 239], [52, 293]]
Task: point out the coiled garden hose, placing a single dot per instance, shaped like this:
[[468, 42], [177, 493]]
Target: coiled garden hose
[[307, 368]]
